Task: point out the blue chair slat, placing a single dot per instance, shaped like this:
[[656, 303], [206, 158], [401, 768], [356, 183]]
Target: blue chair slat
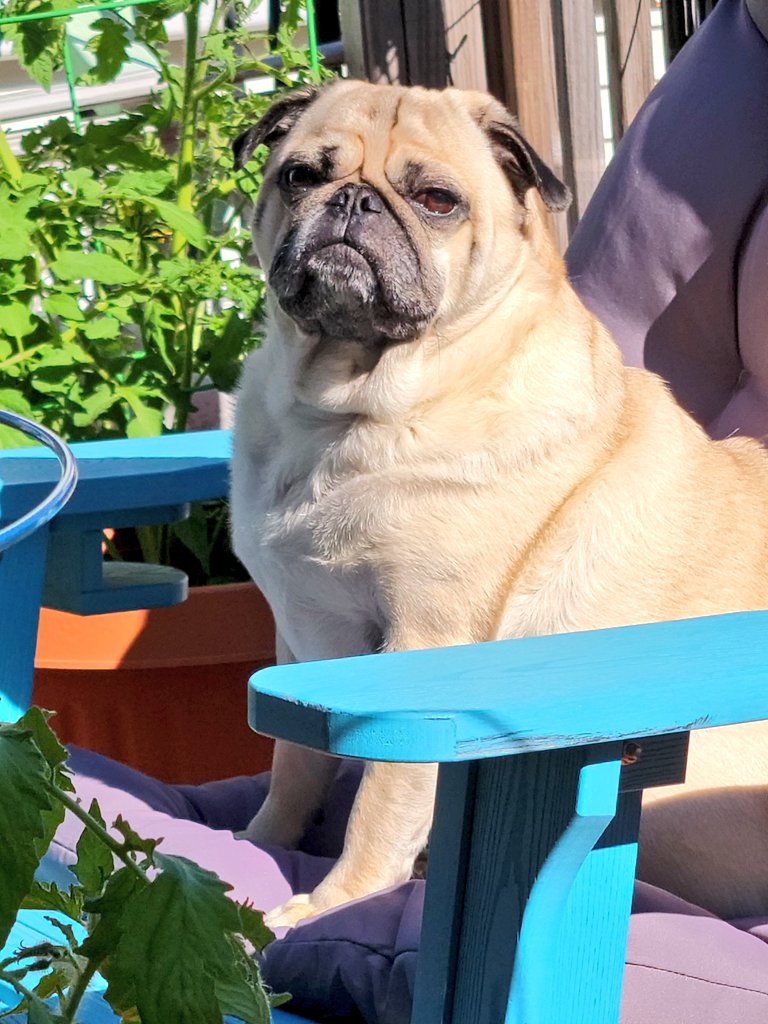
[[513, 696]]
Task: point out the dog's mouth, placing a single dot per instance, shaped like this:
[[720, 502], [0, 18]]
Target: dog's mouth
[[341, 290]]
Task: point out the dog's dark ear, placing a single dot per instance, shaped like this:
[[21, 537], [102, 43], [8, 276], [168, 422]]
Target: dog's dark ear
[[274, 124], [519, 160]]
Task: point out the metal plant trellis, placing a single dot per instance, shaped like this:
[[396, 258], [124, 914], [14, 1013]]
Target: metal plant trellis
[[114, 5]]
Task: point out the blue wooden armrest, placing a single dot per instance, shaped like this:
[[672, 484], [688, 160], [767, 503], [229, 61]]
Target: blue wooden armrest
[[514, 696], [125, 482], [122, 483], [534, 840]]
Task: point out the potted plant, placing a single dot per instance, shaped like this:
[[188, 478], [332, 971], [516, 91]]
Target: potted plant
[[125, 293]]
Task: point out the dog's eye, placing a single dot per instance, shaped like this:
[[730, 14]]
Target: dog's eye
[[299, 176], [436, 201]]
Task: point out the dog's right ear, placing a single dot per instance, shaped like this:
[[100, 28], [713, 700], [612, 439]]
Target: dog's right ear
[[274, 124]]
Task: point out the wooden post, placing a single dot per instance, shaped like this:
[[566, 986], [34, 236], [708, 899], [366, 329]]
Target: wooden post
[[401, 43], [465, 44], [581, 122], [630, 60]]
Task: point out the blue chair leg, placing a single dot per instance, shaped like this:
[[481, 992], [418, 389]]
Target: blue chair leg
[[22, 570], [509, 933]]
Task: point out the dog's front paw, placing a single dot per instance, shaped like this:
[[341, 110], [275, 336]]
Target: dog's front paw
[[291, 912], [303, 905]]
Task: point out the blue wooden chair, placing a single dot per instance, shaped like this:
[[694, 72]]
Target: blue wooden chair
[[533, 849]]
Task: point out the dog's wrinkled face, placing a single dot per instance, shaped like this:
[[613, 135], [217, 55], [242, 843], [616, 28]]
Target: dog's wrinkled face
[[380, 205]]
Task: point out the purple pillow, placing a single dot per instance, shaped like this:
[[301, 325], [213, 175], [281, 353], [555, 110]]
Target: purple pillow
[[358, 963]]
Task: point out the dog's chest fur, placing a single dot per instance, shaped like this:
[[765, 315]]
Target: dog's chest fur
[[311, 509]]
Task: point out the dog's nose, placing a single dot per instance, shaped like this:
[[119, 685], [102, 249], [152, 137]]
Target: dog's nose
[[357, 199]]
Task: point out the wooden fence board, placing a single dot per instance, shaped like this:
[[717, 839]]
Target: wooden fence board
[[630, 59], [465, 45], [581, 122]]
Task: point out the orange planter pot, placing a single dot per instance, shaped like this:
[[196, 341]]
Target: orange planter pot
[[161, 690]]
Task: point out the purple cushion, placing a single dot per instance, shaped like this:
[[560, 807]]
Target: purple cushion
[[661, 253], [358, 963]]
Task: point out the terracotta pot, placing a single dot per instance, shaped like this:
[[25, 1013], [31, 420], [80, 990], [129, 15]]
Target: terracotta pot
[[161, 690]]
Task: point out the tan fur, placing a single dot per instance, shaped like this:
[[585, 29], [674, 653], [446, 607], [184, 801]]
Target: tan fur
[[501, 475]]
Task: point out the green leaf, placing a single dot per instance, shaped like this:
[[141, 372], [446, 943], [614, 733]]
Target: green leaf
[[93, 266], [101, 327], [48, 896], [37, 45], [63, 305], [132, 840], [109, 909], [241, 994], [25, 814], [180, 220], [252, 926], [175, 945], [10, 438], [146, 422], [131, 184], [226, 351], [15, 242], [95, 405], [55, 756], [109, 44], [39, 1013], [15, 320], [94, 862]]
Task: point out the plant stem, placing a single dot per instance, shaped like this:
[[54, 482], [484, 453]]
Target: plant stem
[[10, 164], [90, 823], [188, 127], [78, 991], [15, 984]]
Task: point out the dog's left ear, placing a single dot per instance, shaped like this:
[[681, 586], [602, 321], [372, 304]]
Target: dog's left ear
[[274, 124], [519, 160]]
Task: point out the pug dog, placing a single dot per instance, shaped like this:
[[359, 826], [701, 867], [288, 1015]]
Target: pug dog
[[437, 444]]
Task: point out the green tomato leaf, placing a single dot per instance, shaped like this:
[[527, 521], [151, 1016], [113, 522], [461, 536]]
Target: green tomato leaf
[[93, 266], [109, 44], [94, 862], [15, 242], [39, 1013], [10, 438], [180, 220], [95, 405], [26, 811], [132, 840], [37, 45], [15, 320], [132, 184], [63, 305], [146, 421], [175, 945], [241, 994], [48, 896], [36, 720], [102, 327], [252, 926]]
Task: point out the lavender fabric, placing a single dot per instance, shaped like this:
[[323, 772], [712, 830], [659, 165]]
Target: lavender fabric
[[672, 250], [357, 964]]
